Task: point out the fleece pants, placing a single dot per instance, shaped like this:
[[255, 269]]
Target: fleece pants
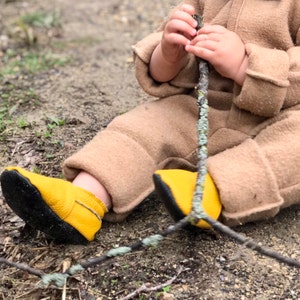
[[256, 170]]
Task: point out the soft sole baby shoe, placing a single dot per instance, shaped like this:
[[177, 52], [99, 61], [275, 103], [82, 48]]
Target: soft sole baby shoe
[[65, 212], [176, 189]]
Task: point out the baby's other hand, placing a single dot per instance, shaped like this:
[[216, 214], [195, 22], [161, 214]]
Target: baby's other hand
[[223, 48], [178, 32]]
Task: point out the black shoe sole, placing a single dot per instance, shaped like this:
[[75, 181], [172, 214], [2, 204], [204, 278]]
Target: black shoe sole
[[165, 194], [26, 201]]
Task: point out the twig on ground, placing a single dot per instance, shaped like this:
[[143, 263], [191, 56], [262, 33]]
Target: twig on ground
[[59, 278], [146, 242], [247, 242], [145, 288], [23, 267]]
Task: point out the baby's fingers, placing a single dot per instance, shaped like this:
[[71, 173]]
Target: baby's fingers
[[208, 29], [180, 26], [216, 37], [189, 9], [206, 53], [176, 39]]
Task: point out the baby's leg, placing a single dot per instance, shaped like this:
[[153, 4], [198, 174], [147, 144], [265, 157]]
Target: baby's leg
[[91, 184], [124, 156]]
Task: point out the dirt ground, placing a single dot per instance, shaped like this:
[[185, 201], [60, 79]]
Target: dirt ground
[[49, 113]]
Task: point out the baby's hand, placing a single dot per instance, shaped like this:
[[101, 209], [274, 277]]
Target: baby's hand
[[178, 32], [223, 49]]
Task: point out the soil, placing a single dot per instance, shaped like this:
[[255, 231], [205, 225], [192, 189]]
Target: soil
[[64, 107]]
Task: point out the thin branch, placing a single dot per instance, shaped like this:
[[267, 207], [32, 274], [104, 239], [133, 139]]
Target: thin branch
[[60, 278], [146, 242], [23, 267], [249, 243], [145, 288]]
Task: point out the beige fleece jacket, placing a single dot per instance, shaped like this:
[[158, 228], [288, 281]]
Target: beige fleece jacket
[[269, 95]]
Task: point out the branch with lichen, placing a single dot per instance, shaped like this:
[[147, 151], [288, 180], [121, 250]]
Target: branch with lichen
[[202, 129], [197, 212], [59, 279]]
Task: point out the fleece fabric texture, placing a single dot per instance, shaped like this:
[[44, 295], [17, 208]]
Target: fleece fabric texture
[[254, 138]]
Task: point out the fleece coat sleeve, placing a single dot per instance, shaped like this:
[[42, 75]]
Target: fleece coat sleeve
[[272, 80], [186, 79], [181, 84]]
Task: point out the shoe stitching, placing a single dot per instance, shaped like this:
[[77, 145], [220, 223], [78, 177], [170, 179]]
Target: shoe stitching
[[91, 210]]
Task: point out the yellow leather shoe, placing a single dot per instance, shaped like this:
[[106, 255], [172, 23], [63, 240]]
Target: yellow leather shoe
[[176, 189], [65, 212]]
